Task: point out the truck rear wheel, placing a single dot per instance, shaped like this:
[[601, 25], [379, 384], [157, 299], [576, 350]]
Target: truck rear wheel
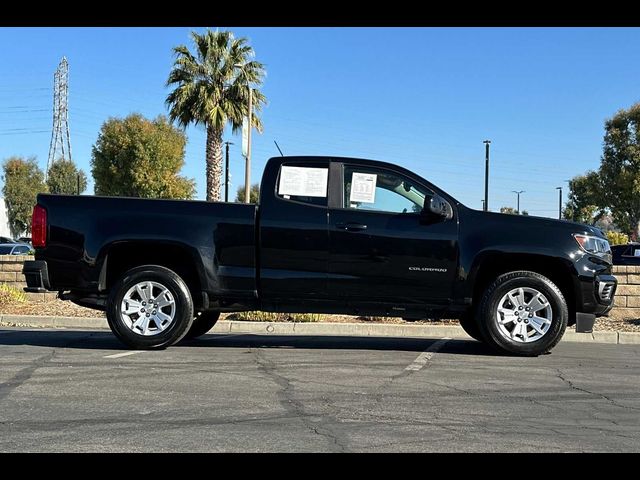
[[150, 307], [202, 324], [523, 313]]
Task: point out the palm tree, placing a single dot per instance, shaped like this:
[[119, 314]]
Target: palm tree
[[212, 89]]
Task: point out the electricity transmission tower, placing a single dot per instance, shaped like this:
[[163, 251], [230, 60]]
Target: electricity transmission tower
[[60, 146]]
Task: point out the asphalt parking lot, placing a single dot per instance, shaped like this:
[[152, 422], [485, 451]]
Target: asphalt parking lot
[[81, 391]]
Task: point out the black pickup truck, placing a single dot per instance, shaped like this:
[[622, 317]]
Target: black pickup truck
[[329, 235]]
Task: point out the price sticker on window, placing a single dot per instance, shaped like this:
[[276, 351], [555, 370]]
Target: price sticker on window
[[363, 187]]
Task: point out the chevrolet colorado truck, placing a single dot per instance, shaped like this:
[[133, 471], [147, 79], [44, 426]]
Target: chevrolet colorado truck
[[329, 235]]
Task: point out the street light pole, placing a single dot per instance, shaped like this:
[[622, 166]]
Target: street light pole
[[247, 172], [518, 193], [226, 172], [486, 176], [559, 202]]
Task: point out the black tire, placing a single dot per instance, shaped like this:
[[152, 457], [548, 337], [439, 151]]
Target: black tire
[[470, 326], [202, 324], [182, 319], [487, 315]]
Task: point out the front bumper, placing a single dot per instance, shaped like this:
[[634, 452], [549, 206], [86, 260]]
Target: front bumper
[[598, 298], [37, 276], [604, 292]]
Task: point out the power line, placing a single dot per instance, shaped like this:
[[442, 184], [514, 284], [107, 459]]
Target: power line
[[26, 132], [26, 110]]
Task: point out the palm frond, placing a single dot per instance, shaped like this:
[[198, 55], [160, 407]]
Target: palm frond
[[211, 83]]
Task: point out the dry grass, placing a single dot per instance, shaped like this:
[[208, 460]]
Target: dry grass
[[259, 316], [52, 308], [11, 296], [617, 322]]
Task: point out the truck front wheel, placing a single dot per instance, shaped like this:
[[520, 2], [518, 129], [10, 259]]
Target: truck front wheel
[[523, 313], [150, 307]]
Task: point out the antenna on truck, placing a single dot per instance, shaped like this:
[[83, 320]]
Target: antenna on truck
[[281, 154]]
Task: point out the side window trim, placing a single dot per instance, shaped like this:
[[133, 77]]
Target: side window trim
[[336, 175]]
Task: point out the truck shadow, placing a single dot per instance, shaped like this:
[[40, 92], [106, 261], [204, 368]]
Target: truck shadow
[[339, 342], [104, 340]]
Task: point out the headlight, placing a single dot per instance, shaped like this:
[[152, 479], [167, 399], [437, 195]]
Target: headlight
[[592, 244]]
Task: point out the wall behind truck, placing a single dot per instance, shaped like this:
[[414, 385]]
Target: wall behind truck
[[11, 274], [627, 302], [5, 231]]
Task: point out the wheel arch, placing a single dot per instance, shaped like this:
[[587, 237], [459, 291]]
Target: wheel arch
[[121, 256], [495, 264]]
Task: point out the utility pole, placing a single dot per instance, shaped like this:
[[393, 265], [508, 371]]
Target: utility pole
[[247, 172], [60, 145], [486, 176], [559, 202], [226, 173], [482, 200], [573, 213], [518, 193]]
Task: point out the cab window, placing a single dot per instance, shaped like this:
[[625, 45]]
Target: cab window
[[382, 190], [304, 182]]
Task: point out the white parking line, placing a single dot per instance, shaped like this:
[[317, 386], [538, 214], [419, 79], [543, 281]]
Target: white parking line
[[124, 354], [425, 356]]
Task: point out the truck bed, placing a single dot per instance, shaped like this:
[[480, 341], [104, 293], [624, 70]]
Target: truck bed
[[84, 229]]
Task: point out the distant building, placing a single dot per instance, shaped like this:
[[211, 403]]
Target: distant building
[[5, 231]]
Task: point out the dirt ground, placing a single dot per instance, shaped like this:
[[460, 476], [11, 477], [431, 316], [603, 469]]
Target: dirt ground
[[68, 309]]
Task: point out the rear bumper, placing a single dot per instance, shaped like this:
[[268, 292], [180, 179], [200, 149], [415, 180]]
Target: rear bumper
[[37, 276]]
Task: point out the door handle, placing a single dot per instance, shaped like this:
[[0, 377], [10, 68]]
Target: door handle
[[351, 227]]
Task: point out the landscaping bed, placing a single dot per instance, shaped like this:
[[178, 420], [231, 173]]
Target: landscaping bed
[[59, 308]]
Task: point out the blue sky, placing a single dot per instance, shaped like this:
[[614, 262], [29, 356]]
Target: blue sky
[[424, 98]]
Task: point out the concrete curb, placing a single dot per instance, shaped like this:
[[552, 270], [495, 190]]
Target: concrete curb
[[322, 328], [58, 322]]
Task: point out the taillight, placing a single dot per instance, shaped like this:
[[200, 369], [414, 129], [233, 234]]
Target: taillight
[[39, 227]]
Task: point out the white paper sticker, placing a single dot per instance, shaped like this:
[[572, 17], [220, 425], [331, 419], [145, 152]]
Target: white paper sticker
[[245, 136], [303, 181], [363, 187]]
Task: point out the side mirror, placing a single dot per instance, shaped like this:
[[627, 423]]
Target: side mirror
[[437, 206]]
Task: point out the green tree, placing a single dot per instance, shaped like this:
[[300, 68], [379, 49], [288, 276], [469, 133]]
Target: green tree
[[212, 89], [620, 169], [254, 193], [508, 210], [63, 178], [583, 204], [137, 157], [512, 211], [23, 180]]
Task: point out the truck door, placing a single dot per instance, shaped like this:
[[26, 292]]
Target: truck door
[[293, 237], [381, 248]]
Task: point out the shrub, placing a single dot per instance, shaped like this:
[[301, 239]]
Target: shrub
[[10, 295], [259, 316], [617, 238], [305, 317], [369, 318]]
